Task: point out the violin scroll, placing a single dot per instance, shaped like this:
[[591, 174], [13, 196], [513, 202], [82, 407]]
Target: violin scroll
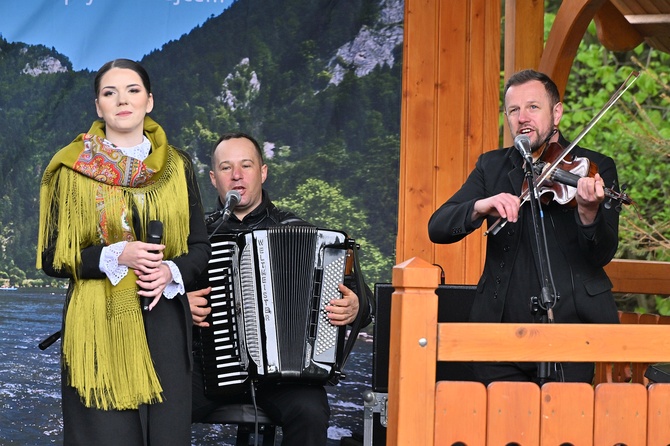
[[618, 197]]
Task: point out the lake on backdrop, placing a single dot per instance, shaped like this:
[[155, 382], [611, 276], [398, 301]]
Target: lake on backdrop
[[30, 379]]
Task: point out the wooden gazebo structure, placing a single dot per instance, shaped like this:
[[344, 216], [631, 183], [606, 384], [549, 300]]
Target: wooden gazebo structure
[[450, 104], [450, 109]]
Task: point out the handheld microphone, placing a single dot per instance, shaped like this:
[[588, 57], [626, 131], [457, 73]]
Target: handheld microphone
[[522, 144], [154, 235]]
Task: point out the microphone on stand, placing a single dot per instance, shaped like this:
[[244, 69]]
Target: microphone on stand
[[154, 235], [522, 144], [232, 200]]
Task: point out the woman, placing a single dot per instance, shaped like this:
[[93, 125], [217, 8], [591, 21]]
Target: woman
[[126, 374]]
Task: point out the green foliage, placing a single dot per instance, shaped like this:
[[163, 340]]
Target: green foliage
[[634, 132], [328, 208]]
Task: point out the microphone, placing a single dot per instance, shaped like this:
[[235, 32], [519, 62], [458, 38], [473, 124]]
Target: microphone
[[232, 199], [154, 235], [522, 144]]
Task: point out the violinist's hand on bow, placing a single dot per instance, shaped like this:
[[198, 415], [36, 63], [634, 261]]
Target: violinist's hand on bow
[[590, 193], [343, 311], [502, 205]]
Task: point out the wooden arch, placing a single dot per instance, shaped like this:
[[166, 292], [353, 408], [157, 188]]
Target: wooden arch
[[450, 108]]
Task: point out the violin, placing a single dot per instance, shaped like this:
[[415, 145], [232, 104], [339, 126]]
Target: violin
[[558, 171], [560, 185]]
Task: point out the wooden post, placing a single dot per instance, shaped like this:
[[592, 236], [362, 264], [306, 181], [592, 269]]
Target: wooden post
[[413, 354]]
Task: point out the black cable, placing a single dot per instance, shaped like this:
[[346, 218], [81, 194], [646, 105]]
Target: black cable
[[253, 401]]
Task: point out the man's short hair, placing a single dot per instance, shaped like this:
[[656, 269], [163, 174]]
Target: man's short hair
[[524, 76], [237, 135]]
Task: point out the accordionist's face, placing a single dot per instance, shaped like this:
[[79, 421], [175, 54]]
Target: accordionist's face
[[237, 166]]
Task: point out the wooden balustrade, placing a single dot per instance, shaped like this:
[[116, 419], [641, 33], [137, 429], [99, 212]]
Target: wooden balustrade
[[423, 412]]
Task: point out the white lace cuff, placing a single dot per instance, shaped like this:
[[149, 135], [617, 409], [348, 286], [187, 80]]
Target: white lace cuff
[[109, 262], [177, 285]]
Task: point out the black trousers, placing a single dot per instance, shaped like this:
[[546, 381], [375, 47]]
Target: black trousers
[[301, 410], [488, 372]]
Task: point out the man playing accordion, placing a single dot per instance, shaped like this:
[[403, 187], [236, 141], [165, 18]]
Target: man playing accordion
[[301, 408]]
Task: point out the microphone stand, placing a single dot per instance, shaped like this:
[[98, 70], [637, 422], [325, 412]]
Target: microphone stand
[[548, 296]]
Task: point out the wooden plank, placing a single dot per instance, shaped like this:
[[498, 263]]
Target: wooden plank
[[467, 115], [658, 413], [452, 165], [620, 414], [513, 413], [483, 108], [553, 342], [417, 129], [460, 413], [566, 414], [641, 277], [524, 35], [639, 368]]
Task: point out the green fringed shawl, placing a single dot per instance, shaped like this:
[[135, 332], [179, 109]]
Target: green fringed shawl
[[88, 195]]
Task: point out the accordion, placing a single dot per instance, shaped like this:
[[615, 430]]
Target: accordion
[[269, 290]]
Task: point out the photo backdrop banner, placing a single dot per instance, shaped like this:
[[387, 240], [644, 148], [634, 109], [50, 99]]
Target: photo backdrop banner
[[317, 82]]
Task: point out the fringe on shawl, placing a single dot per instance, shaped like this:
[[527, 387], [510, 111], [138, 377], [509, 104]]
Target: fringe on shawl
[[111, 367]]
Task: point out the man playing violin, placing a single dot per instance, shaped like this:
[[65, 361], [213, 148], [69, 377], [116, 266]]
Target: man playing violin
[[580, 240]]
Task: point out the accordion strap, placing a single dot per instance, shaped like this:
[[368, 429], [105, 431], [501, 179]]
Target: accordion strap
[[365, 299]]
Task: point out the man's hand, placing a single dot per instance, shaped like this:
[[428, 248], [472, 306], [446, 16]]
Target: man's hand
[[503, 205], [199, 306], [343, 311], [590, 193]]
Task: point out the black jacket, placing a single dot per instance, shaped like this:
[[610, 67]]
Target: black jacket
[[578, 253]]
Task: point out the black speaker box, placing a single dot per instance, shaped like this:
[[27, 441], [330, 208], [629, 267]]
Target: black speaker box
[[454, 303], [658, 373]]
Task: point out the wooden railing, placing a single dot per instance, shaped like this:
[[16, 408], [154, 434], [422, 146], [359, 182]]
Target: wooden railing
[[423, 412], [642, 277]]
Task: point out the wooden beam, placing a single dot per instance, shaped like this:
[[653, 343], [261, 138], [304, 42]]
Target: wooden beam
[[412, 352], [614, 30], [524, 40], [553, 342], [566, 33], [649, 19], [417, 129], [639, 276], [524, 35]]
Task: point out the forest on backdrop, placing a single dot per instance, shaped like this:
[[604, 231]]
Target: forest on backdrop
[[319, 84]]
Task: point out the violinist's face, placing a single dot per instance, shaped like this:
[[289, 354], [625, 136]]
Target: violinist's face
[[529, 111]]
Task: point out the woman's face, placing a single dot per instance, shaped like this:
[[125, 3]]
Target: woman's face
[[122, 103]]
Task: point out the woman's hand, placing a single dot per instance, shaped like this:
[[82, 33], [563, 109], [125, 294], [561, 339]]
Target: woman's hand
[[140, 256], [146, 259], [153, 284]]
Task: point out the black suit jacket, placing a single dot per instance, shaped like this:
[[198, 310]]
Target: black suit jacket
[[578, 252]]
